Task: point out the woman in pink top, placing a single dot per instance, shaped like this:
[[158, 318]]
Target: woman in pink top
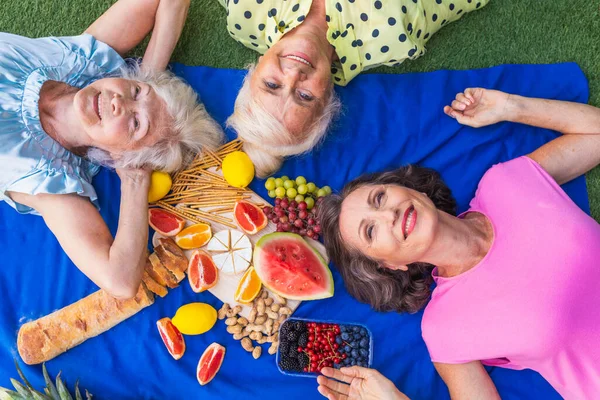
[[518, 284]]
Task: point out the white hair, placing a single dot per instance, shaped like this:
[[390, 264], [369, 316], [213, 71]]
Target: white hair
[[266, 139], [190, 130]]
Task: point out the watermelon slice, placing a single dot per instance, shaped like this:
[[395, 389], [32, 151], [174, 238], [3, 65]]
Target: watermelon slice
[[290, 267], [209, 363]]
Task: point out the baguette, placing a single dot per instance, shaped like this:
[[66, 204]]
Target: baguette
[[171, 256], [45, 338], [152, 285], [160, 273]]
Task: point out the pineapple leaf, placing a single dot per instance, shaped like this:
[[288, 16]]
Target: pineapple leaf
[[62, 389], [77, 392], [35, 395], [50, 388], [88, 395], [22, 389], [6, 394], [25, 381]]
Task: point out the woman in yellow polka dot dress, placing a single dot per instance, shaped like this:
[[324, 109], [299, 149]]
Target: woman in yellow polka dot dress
[[287, 99]]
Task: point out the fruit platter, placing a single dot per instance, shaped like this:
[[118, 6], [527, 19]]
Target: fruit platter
[[307, 346]]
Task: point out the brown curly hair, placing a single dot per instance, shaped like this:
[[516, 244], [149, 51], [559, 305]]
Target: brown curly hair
[[365, 279]]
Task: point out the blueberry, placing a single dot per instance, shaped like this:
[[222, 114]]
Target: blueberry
[[356, 328], [345, 336], [364, 332], [343, 328], [346, 362], [347, 349], [364, 343], [338, 340], [357, 336], [364, 353], [336, 366], [354, 353]]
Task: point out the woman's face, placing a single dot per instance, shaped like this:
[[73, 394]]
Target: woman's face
[[120, 114], [389, 223], [293, 79]]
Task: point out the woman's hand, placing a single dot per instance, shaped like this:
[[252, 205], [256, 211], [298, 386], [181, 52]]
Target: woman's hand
[[479, 107], [137, 176], [357, 383]]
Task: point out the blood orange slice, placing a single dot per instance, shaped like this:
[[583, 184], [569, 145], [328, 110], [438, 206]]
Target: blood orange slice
[[209, 363], [171, 337], [249, 217], [202, 271], [164, 222]]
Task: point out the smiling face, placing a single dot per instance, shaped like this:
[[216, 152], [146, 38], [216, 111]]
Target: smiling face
[[293, 79], [120, 114], [389, 223]]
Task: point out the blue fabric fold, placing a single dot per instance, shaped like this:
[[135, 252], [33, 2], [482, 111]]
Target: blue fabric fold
[[388, 121]]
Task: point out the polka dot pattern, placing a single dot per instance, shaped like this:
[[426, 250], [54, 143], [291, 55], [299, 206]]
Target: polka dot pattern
[[364, 33]]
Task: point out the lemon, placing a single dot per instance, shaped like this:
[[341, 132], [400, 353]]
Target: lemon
[[195, 318], [238, 169], [160, 184]]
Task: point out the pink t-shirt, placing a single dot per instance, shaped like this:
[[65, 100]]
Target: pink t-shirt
[[534, 299]]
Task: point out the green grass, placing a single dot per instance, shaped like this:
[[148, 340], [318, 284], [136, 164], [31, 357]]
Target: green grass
[[505, 31]]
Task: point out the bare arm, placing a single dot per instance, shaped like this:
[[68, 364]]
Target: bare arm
[[115, 265], [564, 158], [124, 25], [468, 381]]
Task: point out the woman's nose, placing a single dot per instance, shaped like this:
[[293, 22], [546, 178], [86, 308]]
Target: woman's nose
[[389, 215], [116, 104]]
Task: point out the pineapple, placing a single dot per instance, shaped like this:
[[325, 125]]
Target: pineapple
[[24, 391]]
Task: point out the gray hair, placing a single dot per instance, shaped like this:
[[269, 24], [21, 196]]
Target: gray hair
[[266, 140], [191, 129]]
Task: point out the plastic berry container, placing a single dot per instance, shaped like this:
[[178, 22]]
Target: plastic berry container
[[339, 341]]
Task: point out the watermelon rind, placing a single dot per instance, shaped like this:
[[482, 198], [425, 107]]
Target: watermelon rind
[[258, 267]]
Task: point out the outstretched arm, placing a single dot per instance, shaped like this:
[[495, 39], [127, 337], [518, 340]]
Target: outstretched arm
[[124, 25], [116, 265], [468, 381], [564, 158]]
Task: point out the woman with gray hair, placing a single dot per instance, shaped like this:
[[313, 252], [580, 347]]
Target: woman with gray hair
[[71, 104], [287, 99]]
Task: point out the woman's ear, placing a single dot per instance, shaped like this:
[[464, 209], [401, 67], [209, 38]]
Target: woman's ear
[[393, 267]]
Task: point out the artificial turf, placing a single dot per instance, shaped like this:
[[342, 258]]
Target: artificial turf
[[503, 32]]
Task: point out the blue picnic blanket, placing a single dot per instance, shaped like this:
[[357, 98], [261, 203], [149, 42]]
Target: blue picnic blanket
[[388, 120]]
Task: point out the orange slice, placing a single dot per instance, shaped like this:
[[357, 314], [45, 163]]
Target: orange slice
[[194, 236], [248, 288]]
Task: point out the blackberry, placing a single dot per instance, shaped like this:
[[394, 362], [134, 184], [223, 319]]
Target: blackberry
[[303, 339], [288, 364], [300, 326], [303, 360], [293, 353], [285, 329], [284, 347], [292, 336]]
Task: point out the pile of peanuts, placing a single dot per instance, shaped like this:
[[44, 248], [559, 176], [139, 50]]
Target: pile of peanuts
[[261, 326]]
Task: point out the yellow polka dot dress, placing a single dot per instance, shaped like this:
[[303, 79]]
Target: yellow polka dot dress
[[364, 33]]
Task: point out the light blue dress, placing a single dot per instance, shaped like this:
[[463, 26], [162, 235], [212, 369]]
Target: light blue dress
[[31, 161]]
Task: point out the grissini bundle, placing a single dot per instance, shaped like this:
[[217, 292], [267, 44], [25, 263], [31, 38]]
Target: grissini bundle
[[45, 338]]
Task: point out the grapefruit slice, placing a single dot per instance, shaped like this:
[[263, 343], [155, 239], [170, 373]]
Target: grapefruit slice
[[164, 222], [171, 337], [248, 288], [209, 363], [231, 251], [194, 236], [289, 266], [202, 271], [249, 217]]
